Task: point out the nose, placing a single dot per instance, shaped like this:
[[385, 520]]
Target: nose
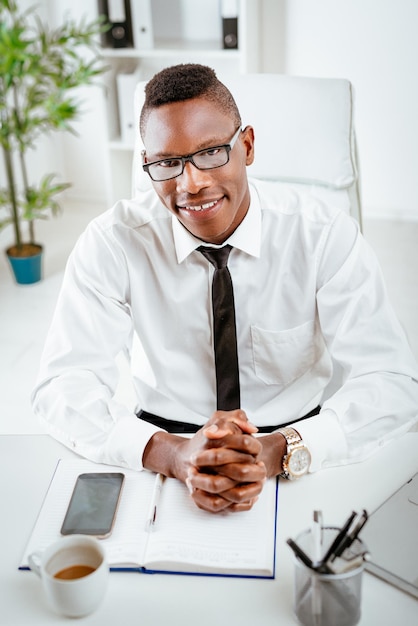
[[192, 180]]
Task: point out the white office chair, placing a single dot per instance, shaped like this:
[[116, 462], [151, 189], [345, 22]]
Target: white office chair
[[304, 135]]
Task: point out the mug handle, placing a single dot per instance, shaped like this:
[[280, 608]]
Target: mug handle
[[34, 561]]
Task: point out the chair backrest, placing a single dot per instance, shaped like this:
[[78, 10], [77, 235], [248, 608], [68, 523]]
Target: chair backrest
[[304, 135]]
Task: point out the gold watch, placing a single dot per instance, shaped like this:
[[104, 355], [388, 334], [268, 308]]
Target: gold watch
[[297, 459]]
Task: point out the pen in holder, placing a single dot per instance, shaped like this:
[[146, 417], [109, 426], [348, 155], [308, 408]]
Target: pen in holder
[[327, 593]]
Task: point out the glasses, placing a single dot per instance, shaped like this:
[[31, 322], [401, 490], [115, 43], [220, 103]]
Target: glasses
[[207, 159]]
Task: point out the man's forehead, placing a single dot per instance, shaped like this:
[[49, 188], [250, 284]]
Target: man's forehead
[[185, 127]]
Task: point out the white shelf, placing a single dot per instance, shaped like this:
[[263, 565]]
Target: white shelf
[[172, 48]]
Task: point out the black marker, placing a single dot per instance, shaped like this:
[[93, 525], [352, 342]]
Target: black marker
[[300, 553]]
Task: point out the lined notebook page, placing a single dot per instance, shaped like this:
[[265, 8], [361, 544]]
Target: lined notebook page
[[201, 541]]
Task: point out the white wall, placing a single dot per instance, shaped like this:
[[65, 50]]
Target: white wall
[[83, 156], [374, 44]]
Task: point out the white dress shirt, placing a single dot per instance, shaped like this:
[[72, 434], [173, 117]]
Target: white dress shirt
[[309, 301]]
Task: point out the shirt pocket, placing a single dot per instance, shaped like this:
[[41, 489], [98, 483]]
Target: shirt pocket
[[280, 357]]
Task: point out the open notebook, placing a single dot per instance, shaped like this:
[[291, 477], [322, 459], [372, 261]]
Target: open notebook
[[184, 538], [391, 536]]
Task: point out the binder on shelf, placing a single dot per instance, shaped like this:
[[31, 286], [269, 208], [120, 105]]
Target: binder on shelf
[[143, 34], [126, 83], [118, 15], [229, 14]]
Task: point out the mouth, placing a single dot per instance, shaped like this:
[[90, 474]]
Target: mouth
[[200, 208]]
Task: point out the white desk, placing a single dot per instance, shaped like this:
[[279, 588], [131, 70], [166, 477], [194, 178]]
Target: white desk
[[27, 463]]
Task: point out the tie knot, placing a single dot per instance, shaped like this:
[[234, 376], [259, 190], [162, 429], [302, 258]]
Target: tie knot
[[217, 256]]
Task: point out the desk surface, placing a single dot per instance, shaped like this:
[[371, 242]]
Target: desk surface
[[27, 463]]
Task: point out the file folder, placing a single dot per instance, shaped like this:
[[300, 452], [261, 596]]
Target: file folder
[[118, 15], [229, 12], [143, 34]]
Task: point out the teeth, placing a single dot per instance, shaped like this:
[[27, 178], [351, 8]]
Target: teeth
[[203, 207]]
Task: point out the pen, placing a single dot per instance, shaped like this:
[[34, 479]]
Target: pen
[[350, 537], [152, 515], [300, 553], [337, 541], [317, 535], [316, 598]]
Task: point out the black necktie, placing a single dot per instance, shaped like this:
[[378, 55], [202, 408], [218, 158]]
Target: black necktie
[[224, 330]]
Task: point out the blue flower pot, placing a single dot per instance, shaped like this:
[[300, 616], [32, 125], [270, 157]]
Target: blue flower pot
[[26, 269]]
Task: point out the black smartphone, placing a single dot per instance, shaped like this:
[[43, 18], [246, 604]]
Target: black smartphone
[[93, 505]]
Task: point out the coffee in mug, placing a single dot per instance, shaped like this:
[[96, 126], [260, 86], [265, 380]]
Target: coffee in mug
[[74, 571]]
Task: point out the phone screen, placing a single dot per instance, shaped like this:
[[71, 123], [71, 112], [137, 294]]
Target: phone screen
[[93, 504]]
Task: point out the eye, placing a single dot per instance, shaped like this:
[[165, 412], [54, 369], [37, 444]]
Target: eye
[[167, 163], [210, 152]]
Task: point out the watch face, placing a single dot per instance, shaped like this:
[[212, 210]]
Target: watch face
[[299, 461]]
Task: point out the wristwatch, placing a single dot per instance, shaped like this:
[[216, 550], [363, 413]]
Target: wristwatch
[[297, 459]]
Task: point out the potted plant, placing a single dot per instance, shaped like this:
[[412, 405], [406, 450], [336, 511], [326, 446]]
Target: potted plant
[[40, 68]]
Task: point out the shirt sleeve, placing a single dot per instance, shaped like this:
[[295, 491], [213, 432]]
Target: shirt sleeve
[[378, 396], [78, 377]]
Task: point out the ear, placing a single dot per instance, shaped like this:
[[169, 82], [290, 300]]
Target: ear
[[248, 141]]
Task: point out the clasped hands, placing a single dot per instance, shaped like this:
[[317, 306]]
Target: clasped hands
[[223, 470]]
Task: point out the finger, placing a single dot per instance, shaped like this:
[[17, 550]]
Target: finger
[[238, 442], [211, 483], [241, 506], [229, 477], [225, 425], [244, 473], [244, 492], [232, 452], [213, 503], [217, 457]]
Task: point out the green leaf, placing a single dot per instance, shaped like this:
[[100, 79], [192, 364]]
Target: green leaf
[[40, 69]]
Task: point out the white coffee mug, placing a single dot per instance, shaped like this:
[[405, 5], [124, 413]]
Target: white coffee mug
[[74, 574]]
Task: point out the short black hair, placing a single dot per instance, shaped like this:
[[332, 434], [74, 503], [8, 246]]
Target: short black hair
[[185, 82]]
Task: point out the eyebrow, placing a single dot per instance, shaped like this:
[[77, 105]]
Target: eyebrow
[[211, 143]]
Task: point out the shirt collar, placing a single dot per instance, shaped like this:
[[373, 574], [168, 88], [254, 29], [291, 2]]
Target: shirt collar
[[247, 237]]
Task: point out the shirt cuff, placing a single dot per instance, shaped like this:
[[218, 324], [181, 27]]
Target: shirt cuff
[[325, 439], [127, 442]]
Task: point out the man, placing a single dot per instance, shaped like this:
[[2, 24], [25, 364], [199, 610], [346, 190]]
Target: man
[[308, 297]]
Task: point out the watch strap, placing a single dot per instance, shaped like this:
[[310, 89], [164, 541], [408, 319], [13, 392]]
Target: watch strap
[[290, 434], [293, 440]]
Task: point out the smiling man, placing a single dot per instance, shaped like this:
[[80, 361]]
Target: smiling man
[[308, 296]]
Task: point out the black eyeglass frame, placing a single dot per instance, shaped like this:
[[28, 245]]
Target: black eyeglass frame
[[189, 157]]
